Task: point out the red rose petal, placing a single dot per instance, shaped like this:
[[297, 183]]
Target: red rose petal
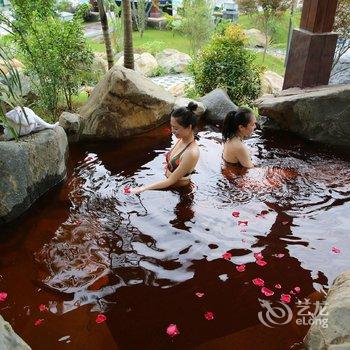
[[227, 256], [100, 318], [172, 330], [42, 308], [235, 214], [3, 296], [297, 289], [240, 268], [278, 286], [199, 294], [242, 222], [335, 250], [209, 315], [258, 256], [261, 262], [38, 322], [267, 292], [258, 282], [285, 298], [280, 255], [127, 190]]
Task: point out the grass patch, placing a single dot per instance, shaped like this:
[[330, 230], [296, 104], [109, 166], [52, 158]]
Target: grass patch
[[153, 41], [280, 34], [272, 63]]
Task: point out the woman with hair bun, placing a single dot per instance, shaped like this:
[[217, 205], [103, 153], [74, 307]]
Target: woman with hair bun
[[238, 126], [183, 157]]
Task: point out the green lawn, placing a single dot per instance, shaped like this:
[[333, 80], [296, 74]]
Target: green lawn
[[152, 40], [272, 63], [280, 33]]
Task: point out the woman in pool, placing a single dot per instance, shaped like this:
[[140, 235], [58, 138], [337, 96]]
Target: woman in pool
[[183, 157], [238, 126]]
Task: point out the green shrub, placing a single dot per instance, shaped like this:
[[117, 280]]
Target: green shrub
[[226, 63], [158, 72], [153, 47]]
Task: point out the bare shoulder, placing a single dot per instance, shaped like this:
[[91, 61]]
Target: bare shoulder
[[193, 151]]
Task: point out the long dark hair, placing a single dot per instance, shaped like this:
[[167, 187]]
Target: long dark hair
[[233, 120], [185, 116]]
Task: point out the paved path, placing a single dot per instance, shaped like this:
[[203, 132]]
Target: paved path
[[168, 81]]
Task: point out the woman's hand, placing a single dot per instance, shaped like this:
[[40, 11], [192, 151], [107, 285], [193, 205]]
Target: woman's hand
[[136, 190]]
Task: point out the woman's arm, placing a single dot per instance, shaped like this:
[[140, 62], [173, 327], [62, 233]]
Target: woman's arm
[[243, 156], [188, 162]]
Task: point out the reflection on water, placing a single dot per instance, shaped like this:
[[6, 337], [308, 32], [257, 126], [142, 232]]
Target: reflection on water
[[140, 259]]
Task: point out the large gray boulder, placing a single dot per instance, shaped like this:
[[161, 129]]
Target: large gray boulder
[[319, 114], [173, 61], [29, 168], [331, 328], [217, 104], [124, 103], [9, 340]]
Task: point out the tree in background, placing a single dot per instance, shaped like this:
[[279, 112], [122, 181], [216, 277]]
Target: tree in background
[[225, 62], [342, 27], [105, 31], [267, 12], [128, 46], [54, 52], [140, 15], [197, 23]]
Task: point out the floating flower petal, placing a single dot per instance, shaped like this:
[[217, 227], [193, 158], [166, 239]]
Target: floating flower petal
[[285, 223], [3, 296], [223, 277], [240, 268], [38, 322], [209, 315], [278, 286], [285, 298], [100, 318], [235, 214], [199, 294], [258, 256], [267, 292], [335, 250], [172, 330], [43, 308], [261, 262], [227, 256], [258, 282], [280, 255], [127, 190], [297, 289], [242, 222]]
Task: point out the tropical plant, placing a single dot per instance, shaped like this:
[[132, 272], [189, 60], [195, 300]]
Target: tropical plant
[[173, 23], [226, 63], [197, 23], [140, 15], [105, 31], [54, 52], [116, 20], [128, 44], [11, 94]]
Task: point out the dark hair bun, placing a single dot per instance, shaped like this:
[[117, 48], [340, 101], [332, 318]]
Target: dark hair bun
[[192, 106]]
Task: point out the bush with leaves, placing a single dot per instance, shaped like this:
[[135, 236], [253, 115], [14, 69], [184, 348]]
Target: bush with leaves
[[197, 23], [54, 52], [226, 63]]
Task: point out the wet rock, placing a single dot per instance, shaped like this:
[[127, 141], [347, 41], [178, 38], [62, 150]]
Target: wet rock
[[217, 104], [319, 114], [9, 339], [331, 330], [173, 61], [29, 168], [271, 83], [144, 63], [70, 122], [124, 103], [256, 38]]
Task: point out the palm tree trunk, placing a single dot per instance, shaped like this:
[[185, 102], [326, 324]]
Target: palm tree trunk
[[128, 49], [105, 31]]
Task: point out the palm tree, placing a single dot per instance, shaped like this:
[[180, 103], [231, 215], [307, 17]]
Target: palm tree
[[105, 31], [128, 49]]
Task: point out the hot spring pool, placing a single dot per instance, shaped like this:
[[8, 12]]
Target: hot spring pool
[[156, 259]]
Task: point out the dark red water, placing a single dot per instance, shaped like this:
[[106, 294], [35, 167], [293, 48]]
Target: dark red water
[[86, 248]]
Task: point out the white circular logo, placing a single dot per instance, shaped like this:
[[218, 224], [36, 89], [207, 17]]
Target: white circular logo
[[274, 315]]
